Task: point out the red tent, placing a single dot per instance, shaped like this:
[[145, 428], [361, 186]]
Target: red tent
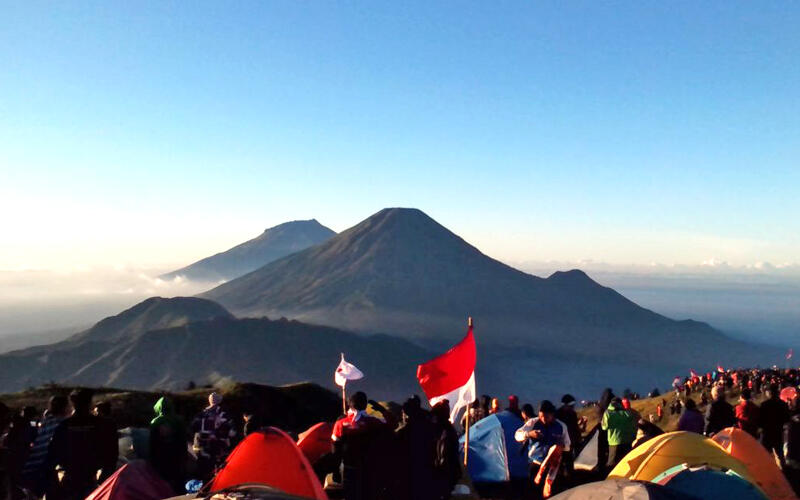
[[270, 457], [316, 441], [133, 481]]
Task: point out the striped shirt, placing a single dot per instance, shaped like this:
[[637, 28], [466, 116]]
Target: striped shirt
[[38, 453]]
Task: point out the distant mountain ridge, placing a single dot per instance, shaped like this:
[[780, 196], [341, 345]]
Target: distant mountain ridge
[[274, 243], [166, 343]]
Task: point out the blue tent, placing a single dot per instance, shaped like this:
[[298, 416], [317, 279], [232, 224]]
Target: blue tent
[[708, 483], [494, 455]]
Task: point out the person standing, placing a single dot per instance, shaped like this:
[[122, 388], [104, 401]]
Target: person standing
[[691, 420], [773, 415], [34, 471], [620, 426], [513, 406], [212, 432], [110, 446], [447, 462], [77, 448], [168, 444], [719, 415], [747, 414], [543, 435]]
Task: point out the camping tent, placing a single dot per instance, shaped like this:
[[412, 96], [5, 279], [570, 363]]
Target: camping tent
[[494, 455], [270, 457], [316, 441], [133, 481], [662, 452], [620, 489], [760, 464], [709, 483], [587, 458]]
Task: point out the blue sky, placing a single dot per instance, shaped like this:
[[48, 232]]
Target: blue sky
[[624, 132]]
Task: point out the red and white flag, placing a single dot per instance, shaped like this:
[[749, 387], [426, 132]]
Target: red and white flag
[[720, 369], [693, 374], [790, 354], [451, 376], [346, 371]]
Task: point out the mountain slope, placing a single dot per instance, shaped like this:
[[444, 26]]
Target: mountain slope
[[272, 244], [401, 272]]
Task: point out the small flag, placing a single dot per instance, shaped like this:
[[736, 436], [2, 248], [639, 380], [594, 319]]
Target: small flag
[[720, 369], [676, 382], [693, 374], [346, 371], [789, 354], [451, 376]]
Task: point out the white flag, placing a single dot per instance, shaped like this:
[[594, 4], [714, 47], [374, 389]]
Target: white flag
[[346, 371]]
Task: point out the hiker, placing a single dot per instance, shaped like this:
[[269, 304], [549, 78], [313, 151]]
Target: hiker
[[17, 442], [110, 450], [691, 420], [747, 414], [719, 415], [620, 425], [354, 438], [513, 406], [495, 406], [252, 422], [476, 413], [773, 414], [416, 440], [566, 414], [447, 462], [212, 432], [546, 438], [602, 437], [792, 456], [34, 472], [77, 448], [168, 444]]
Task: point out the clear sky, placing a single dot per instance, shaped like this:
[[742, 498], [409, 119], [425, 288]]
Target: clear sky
[[155, 133]]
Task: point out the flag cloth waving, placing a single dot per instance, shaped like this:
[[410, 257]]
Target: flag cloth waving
[[451, 376], [790, 354], [346, 371]]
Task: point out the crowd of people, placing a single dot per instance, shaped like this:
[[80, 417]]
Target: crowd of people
[[70, 448]]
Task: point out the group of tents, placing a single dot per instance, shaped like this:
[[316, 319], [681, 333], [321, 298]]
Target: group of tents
[[672, 466], [675, 465]]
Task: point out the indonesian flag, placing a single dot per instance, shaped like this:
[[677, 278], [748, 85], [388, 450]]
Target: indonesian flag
[[676, 382], [346, 371], [790, 354], [451, 376], [720, 369], [693, 374]]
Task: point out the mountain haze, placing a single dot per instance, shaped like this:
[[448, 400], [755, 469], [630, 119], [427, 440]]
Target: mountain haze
[[272, 244]]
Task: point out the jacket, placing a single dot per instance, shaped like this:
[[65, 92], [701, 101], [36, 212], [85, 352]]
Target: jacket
[[691, 421], [553, 434], [747, 417], [719, 415], [620, 425]]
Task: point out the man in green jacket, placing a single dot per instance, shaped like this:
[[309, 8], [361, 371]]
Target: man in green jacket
[[168, 444], [621, 427]]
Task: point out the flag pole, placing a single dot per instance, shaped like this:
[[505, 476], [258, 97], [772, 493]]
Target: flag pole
[[344, 394], [466, 431]]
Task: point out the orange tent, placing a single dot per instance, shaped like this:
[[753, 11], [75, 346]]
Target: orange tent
[[133, 481], [316, 441], [760, 464], [270, 457]]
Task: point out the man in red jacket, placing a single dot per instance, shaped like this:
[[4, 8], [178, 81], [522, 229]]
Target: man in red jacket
[[747, 414]]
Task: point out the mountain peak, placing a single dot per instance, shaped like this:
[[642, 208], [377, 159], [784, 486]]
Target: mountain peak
[[572, 276]]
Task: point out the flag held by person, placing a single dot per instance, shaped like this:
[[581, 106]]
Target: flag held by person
[[789, 354], [346, 371], [451, 376], [720, 369]]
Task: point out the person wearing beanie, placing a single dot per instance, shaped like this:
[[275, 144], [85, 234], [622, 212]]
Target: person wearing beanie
[[541, 435], [620, 426], [213, 433], [513, 406]]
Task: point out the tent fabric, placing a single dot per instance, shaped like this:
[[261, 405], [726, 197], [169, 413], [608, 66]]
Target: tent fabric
[[494, 454], [713, 484], [759, 462], [621, 489], [663, 452], [272, 458], [133, 481], [316, 441], [587, 458]]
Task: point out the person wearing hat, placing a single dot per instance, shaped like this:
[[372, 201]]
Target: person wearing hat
[[513, 406], [566, 414], [213, 433], [620, 425]]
